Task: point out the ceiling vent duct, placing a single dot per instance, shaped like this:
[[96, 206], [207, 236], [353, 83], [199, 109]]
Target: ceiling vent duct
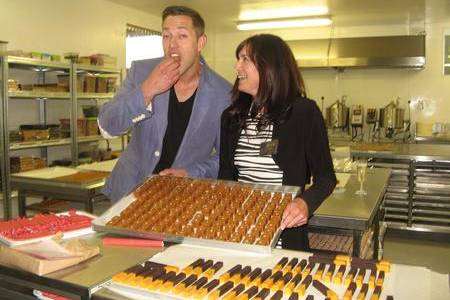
[[364, 52]]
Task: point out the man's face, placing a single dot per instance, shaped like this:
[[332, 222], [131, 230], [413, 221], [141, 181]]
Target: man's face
[[181, 42]]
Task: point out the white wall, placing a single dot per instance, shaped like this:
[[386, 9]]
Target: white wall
[[370, 87], [90, 26]]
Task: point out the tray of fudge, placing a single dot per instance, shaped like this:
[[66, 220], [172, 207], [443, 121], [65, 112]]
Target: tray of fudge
[[212, 213]]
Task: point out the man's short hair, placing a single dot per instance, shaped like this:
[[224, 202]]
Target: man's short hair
[[197, 20]]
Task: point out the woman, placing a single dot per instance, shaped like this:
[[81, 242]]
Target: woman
[[273, 134]]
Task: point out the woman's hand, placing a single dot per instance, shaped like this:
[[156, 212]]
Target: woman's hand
[[295, 214]]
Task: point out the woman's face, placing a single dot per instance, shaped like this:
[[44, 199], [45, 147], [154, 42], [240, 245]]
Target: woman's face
[[247, 73]]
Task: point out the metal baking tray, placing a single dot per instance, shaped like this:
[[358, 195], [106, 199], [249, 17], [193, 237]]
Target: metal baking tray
[[99, 224]]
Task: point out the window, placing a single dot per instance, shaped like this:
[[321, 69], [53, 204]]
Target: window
[[142, 43]]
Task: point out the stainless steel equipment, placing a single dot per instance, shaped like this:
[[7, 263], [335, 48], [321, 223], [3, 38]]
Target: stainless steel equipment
[[357, 115], [417, 197], [356, 121], [371, 116], [337, 114], [361, 52], [391, 116]]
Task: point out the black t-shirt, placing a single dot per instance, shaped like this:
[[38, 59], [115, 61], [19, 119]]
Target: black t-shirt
[[177, 121]]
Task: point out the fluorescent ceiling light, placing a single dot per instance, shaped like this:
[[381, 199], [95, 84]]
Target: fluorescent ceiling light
[[283, 12], [283, 23]]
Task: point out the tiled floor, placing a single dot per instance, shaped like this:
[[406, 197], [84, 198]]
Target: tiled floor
[[417, 250]]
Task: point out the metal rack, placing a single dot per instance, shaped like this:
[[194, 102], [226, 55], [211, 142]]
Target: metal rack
[[75, 70], [418, 196], [43, 67]]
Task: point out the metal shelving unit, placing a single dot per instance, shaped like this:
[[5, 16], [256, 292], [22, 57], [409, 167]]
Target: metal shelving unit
[[41, 66], [418, 196], [37, 64], [95, 95], [4, 136], [55, 142], [87, 69], [431, 198], [38, 95]]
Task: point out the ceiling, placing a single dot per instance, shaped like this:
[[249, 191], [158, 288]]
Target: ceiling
[[223, 14]]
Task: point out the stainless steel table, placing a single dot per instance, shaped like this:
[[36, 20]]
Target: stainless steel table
[[353, 214], [418, 193], [83, 193], [77, 282], [40, 183], [408, 151]]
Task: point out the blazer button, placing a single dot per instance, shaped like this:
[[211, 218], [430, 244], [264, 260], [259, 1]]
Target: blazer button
[[157, 153]]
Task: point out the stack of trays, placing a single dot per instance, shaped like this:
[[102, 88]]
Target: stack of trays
[[199, 211]]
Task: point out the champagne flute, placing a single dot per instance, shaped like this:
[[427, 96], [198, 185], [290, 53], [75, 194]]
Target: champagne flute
[[361, 167]]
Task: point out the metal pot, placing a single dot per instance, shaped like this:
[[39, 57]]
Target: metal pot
[[391, 116], [337, 115]]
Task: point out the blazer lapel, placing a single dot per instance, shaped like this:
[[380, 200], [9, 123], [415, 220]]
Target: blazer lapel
[[160, 111], [199, 110]]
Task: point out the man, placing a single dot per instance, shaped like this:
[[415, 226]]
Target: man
[[172, 106]]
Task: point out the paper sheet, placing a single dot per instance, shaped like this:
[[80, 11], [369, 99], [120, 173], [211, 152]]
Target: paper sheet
[[104, 166], [47, 249], [48, 173]]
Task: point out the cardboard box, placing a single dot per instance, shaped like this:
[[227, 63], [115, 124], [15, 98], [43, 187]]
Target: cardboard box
[[14, 258], [63, 81], [102, 85], [65, 127], [84, 60], [103, 60], [112, 81], [92, 126], [90, 83]]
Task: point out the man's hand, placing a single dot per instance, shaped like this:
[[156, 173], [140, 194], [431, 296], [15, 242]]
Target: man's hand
[[174, 172], [295, 214], [162, 78]]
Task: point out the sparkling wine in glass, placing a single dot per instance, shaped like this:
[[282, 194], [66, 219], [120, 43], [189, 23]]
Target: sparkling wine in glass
[[361, 168]]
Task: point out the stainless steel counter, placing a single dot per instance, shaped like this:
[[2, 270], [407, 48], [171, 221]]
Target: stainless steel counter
[[82, 280], [418, 193], [346, 210], [112, 260], [86, 193], [405, 151]]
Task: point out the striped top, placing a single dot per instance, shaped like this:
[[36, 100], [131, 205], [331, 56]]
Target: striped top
[[253, 167]]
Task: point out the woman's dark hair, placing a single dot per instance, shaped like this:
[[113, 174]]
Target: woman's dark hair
[[197, 20], [280, 81]]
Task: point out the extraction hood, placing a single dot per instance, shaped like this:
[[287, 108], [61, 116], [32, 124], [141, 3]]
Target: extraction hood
[[364, 52]]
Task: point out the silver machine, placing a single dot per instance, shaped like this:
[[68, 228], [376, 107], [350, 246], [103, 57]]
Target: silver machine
[[356, 121], [392, 118], [373, 124], [337, 115], [387, 122]]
